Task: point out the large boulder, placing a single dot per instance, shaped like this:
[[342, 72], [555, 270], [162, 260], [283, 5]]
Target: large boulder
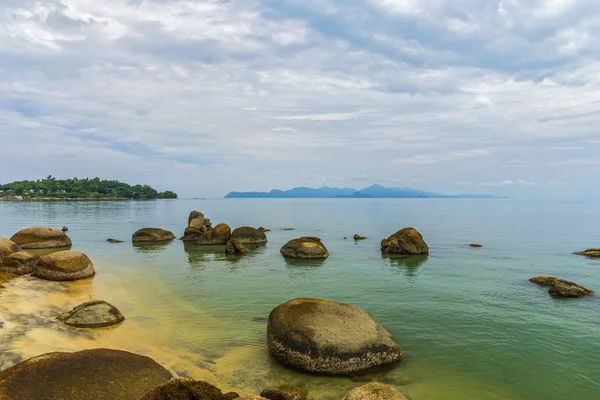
[[8, 247], [64, 266], [151, 235], [187, 389], [325, 337], [376, 391], [99, 374], [41, 238], [561, 287], [20, 263], [196, 220], [220, 234], [407, 241], [304, 247], [93, 314], [590, 253], [197, 226], [248, 235]]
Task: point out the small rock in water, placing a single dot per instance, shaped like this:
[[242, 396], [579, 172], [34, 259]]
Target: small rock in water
[[407, 241], [93, 314], [111, 240], [263, 229], [306, 247], [595, 253], [475, 245], [358, 237], [288, 229], [64, 229]]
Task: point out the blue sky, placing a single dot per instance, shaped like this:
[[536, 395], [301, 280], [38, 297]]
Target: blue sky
[[204, 97]]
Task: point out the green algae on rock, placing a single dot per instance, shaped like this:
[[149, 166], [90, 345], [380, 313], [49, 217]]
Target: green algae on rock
[[249, 235], [376, 391], [92, 314], [99, 374], [64, 266], [152, 235], [305, 247], [187, 389], [20, 263], [325, 337], [407, 241], [41, 238]]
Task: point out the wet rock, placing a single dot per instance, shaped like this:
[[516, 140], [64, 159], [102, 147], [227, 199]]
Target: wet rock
[[287, 392], [21, 263], [187, 389], [234, 246], [8, 247], [475, 245], [590, 253], [111, 240], [305, 247], [326, 337], [220, 234], [99, 374], [41, 238], [561, 287], [93, 314], [151, 235], [64, 266], [358, 237], [248, 235], [376, 391], [407, 241]]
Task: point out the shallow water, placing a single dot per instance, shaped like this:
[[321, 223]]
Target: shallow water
[[471, 324]]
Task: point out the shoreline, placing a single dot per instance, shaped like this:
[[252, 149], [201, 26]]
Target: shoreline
[[76, 199]]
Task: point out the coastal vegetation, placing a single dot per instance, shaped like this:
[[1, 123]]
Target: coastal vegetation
[[75, 188]]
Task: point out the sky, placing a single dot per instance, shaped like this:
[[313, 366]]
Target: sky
[[205, 97]]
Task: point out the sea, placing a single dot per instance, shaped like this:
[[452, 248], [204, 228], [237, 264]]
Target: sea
[[470, 323]]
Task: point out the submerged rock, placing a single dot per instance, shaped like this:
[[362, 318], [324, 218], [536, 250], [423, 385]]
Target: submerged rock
[[220, 234], [305, 247], [234, 246], [248, 235], [325, 337], [21, 263], [152, 235], [8, 247], [287, 392], [187, 389], [358, 237], [561, 287], [376, 391], [111, 240], [41, 238], [99, 374], [589, 253], [407, 241], [64, 266], [93, 314]]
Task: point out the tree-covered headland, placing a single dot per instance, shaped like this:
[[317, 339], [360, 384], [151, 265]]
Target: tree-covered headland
[[81, 189]]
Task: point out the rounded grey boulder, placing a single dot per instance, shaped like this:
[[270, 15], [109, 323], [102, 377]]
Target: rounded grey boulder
[[93, 314], [325, 337], [64, 266]]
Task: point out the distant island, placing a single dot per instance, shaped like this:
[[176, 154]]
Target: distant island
[[79, 189], [372, 192]]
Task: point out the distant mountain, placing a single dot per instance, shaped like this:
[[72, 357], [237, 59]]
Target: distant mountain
[[372, 192]]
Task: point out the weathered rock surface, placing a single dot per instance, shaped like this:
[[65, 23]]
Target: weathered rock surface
[[358, 237], [407, 241], [93, 314], [376, 391], [249, 235], [220, 234], [99, 374], [285, 393], [197, 226], [20, 263], [8, 247], [561, 287], [326, 337], [149, 235], [196, 220], [305, 247], [41, 238], [64, 266], [234, 246], [589, 253], [187, 389], [111, 240]]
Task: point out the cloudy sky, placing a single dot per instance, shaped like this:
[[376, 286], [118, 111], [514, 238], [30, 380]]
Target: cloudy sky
[[204, 97]]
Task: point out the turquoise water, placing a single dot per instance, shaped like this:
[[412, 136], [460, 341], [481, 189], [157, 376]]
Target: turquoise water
[[471, 324]]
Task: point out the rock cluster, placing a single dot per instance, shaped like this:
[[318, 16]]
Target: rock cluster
[[305, 247], [325, 337], [561, 287], [407, 241], [201, 231]]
